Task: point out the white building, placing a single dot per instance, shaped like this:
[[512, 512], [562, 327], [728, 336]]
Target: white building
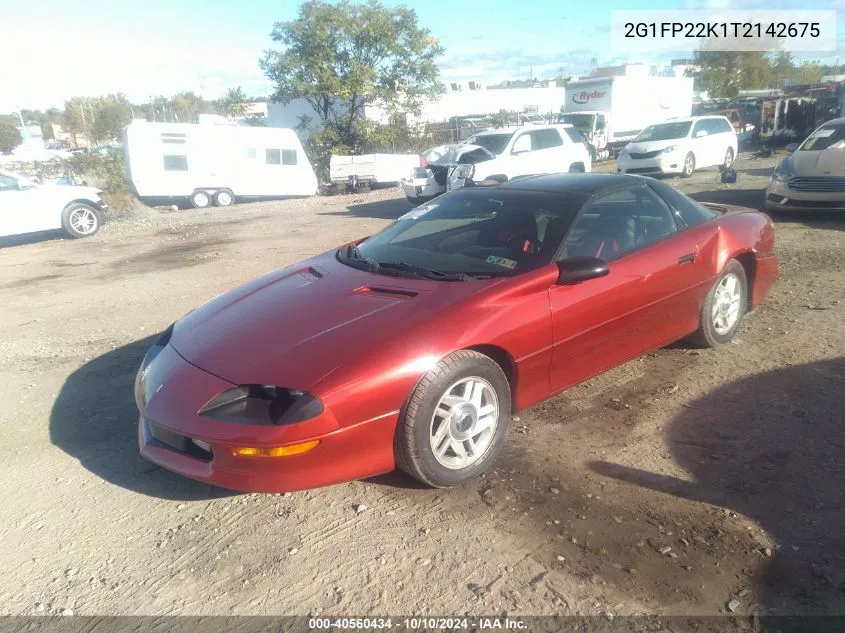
[[460, 99]]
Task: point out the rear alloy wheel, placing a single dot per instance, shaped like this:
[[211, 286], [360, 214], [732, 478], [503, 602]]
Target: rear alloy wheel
[[723, 308], [729, 158], [80, 220], [224, 198], [200, 199], [689, 165], [455, 421]]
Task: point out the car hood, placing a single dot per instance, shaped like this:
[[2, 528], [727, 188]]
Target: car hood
[[827, 162], [299, 324], [651, 146]]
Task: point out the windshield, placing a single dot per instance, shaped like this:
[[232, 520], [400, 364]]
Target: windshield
[[826, 137], [664, 132], [494, 143], [478, 232], [581, 122]]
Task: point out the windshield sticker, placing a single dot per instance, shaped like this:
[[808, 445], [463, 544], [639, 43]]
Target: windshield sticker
[[823, 133], [419, 212], [501, 261]]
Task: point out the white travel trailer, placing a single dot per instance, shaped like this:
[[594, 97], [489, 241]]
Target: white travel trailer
[[215, 164]]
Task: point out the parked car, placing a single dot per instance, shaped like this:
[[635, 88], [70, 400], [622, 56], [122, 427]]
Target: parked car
[[812, 177], [429, 179], [680, 146], [527, 150], [26, 207], [466, 310]]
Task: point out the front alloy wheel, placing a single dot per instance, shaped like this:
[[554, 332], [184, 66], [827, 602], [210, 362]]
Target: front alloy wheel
[[455, 421], [464, 422]]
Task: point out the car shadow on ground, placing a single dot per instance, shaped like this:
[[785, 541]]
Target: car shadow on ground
[[771, 447], [94, 419], [379, 209], [32, 238]]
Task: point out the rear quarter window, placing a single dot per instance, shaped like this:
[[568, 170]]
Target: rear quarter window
[[575, 135], [688, 210]]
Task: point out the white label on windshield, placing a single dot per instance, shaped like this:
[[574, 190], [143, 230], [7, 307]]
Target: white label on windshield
[[419, 212], [822, 133]]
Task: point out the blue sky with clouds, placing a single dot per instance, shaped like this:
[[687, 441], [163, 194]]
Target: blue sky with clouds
[[54, 49]]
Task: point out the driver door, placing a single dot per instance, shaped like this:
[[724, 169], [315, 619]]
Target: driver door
[[648, 298]]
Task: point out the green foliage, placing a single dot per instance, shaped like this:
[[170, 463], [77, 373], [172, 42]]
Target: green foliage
[[235, 103], [109, 120], [343, 57], [10, 137], [725, 73], [106, 172]]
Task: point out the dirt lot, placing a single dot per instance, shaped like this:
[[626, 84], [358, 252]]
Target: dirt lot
[[733, 457]]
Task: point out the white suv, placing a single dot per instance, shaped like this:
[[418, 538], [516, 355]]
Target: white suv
[[522, 151], [680, 146]]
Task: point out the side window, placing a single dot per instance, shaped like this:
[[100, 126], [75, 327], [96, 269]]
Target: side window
[[175, 162], [544, 139], [723, 126], [250, 153], [700, 126], [273, 156], [619, 222], [575, 135], [7, 183], [522, 144], [288, 157]]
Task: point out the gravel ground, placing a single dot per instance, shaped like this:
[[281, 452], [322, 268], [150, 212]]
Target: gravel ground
[[686, 482]]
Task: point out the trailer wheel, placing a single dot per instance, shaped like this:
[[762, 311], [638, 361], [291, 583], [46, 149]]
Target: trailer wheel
[[224, 198], [200, 199]]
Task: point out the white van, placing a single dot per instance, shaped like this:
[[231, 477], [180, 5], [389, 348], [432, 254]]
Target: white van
[[214, 164]]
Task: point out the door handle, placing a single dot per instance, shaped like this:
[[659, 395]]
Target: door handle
[[686, 259]]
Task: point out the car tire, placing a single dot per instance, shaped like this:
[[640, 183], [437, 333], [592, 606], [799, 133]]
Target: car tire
[[718, 323], [224, 198], [576, 168], [200, 199], [81, 220], [729, 158], [689, 165], [442, 414]]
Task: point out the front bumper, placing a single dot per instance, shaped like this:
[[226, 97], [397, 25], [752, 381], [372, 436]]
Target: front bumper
[[779, 197], [170, 392], [662, 164]]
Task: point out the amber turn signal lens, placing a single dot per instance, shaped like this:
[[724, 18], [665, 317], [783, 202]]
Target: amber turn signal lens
[[274, 451]]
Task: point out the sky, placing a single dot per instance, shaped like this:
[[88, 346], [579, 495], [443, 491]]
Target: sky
[[52, 50]]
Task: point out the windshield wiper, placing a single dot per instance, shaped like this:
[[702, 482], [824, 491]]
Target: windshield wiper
[[420, 271]]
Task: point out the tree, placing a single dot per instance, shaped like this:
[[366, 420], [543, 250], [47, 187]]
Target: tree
[[110, 117], [187, 106], [10, 137], [725, 73], [342, 57], [235, 103]]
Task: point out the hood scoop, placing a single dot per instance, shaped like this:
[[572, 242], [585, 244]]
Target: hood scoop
[[393, 293]]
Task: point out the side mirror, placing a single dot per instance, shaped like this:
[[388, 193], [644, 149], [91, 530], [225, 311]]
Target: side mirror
[[791, 147], [573, 270]]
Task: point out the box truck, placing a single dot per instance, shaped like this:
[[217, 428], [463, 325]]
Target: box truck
[[610, 111], [207, 164]]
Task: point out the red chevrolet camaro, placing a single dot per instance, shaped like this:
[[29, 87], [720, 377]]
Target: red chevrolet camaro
[[413, 347]]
